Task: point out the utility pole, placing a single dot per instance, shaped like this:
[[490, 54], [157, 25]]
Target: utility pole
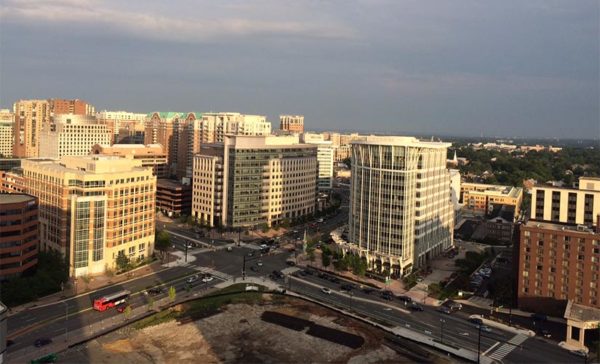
[[244, 269]]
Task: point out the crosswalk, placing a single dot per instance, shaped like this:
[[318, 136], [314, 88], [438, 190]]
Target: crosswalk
[[215, 273], [506, 348]]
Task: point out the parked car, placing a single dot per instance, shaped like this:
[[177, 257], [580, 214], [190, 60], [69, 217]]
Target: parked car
[[251, 254], [415, 306], [368, 290], [485, 328], [346, 287], [405, 299], [229, 249], [539, 317], [276, 274], [291, 263], [333, 279], [259, 263], [545, 333], [193, 278], [326, 290], [207, 279], [454, 306], [444, 309], [254, 268], [121, 308], [387, 295]]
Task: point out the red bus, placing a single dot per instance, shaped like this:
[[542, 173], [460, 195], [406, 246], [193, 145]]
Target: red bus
[[111, 300]]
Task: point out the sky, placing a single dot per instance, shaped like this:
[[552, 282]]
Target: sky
[[509, 68]]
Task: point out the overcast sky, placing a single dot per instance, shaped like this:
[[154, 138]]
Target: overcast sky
[[458, 67]]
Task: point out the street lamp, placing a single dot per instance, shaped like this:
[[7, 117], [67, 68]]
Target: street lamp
[[442, 322]]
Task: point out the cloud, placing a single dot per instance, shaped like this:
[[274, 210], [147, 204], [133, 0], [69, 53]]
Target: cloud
[[150, 25]]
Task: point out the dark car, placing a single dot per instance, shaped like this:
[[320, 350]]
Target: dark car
[[368, 290], [308, 271], [476, 321], [405, 299], [387, 295], [254, 268], [444, 309], [346, 287], [415, 306], [545, 333], [9, 343], [121, 308], [155, 291], [277, 274], [334, 280], [42, 342]]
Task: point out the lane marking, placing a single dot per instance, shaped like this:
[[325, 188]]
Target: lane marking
[[491, 347]]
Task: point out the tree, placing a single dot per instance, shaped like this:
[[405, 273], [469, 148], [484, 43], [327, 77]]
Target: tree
[[162, 242], [127, 312], [326, 260], [122, 261], [172, 293]]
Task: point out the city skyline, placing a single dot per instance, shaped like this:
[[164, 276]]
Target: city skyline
[[464, 68]]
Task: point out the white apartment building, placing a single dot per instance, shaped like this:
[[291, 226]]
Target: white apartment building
[[7, 138], [214, 126], [72, 135], [325, 155], [401, 213], [92, 208], [248, 181]]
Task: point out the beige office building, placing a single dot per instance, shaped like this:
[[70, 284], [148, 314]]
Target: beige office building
[[481, 197], [152, 155], [30, 117], [247, 181], [401, 213], [72, 135], [92, 208], [6, 133]]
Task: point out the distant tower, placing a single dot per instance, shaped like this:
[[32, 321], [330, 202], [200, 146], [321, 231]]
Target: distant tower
[[291, 123]]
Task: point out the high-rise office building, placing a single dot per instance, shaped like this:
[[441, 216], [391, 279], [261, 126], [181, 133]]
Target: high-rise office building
[[401, 213], [292, 123], [92, 208], [165, 128], [72, 135], [559, 247], [324, 159], [7, 137], [125, 127], [18, 234], [247, 181], [199, 129], [30, 116]]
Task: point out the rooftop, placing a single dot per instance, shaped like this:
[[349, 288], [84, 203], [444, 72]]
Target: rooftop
[[15, 198], [560, 227], [400, 141], [577, 312]]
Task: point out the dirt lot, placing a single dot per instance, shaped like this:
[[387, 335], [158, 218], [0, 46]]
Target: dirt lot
[[238, 334]]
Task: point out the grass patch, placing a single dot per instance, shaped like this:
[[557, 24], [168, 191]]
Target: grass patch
[[210, 305], [156, 319]]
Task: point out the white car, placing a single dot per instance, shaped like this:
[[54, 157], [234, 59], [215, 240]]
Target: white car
[[259, 263], [193, 278], [207, 279], [326, 290]]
